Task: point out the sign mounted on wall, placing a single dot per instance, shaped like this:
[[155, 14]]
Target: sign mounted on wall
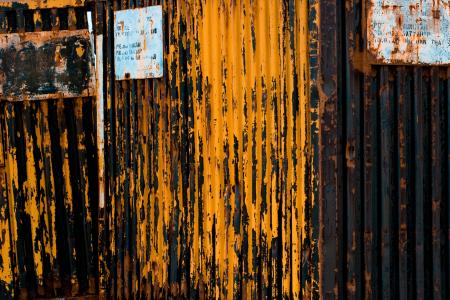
[[138, 43], [46, 65], [409, 31]]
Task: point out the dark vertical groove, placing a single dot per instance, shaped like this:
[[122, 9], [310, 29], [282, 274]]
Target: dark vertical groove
[[428, 259], [419, 139], [395, 185], [446, 163], [185, 102], [63, 255], [91, 163], [314, 105], [436, 120], [343, 93], [352, 128], [330, 167], [386, 113], [361, 174], [25, 252], [371, 190], [378, 202], [80, 238], [110, 149], [404, 83], [412, 199], [33, 242]]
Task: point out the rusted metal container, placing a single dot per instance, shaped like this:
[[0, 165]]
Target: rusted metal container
[[48, 157], [209, 171], [294, 149], [384, 155]]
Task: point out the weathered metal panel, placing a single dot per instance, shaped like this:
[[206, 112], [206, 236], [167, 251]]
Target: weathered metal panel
[[35, 4], [209, 181], [383, 182], [48, 185], [50, 182], [409, 31], [45, 65], [138, 43]]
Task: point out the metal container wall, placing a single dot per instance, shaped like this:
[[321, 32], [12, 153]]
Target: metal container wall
[[384, 169], [218, 177], [48, 182], [209, 171]]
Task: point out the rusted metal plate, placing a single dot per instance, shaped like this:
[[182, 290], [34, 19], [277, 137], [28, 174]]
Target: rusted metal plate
[[33, 4], [43, 65], [138, 43], [409, 31]]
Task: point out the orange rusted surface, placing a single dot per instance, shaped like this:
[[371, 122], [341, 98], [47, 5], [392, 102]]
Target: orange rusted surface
[[409, 31]]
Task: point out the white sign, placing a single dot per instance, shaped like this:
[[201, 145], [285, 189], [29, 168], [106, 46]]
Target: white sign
[[409, 31], [138, 43]]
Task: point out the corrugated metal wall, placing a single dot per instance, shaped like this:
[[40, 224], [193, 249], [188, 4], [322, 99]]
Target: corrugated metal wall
[[215, 175], [48, 182], [384, 169], [209, 187]]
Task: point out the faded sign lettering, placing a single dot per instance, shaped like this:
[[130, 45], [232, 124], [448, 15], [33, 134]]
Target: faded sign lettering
[[138, 49], [409, 31]]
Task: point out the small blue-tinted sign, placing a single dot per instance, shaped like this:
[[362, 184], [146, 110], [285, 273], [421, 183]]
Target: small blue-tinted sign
[[138, 43]]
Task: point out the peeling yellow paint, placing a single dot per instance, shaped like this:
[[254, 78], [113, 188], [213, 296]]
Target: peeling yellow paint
[[45, 189], [225, 155], [50, 202], [32, 205], [12, 179], [212, 161], [6, 271], [34, 4]]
